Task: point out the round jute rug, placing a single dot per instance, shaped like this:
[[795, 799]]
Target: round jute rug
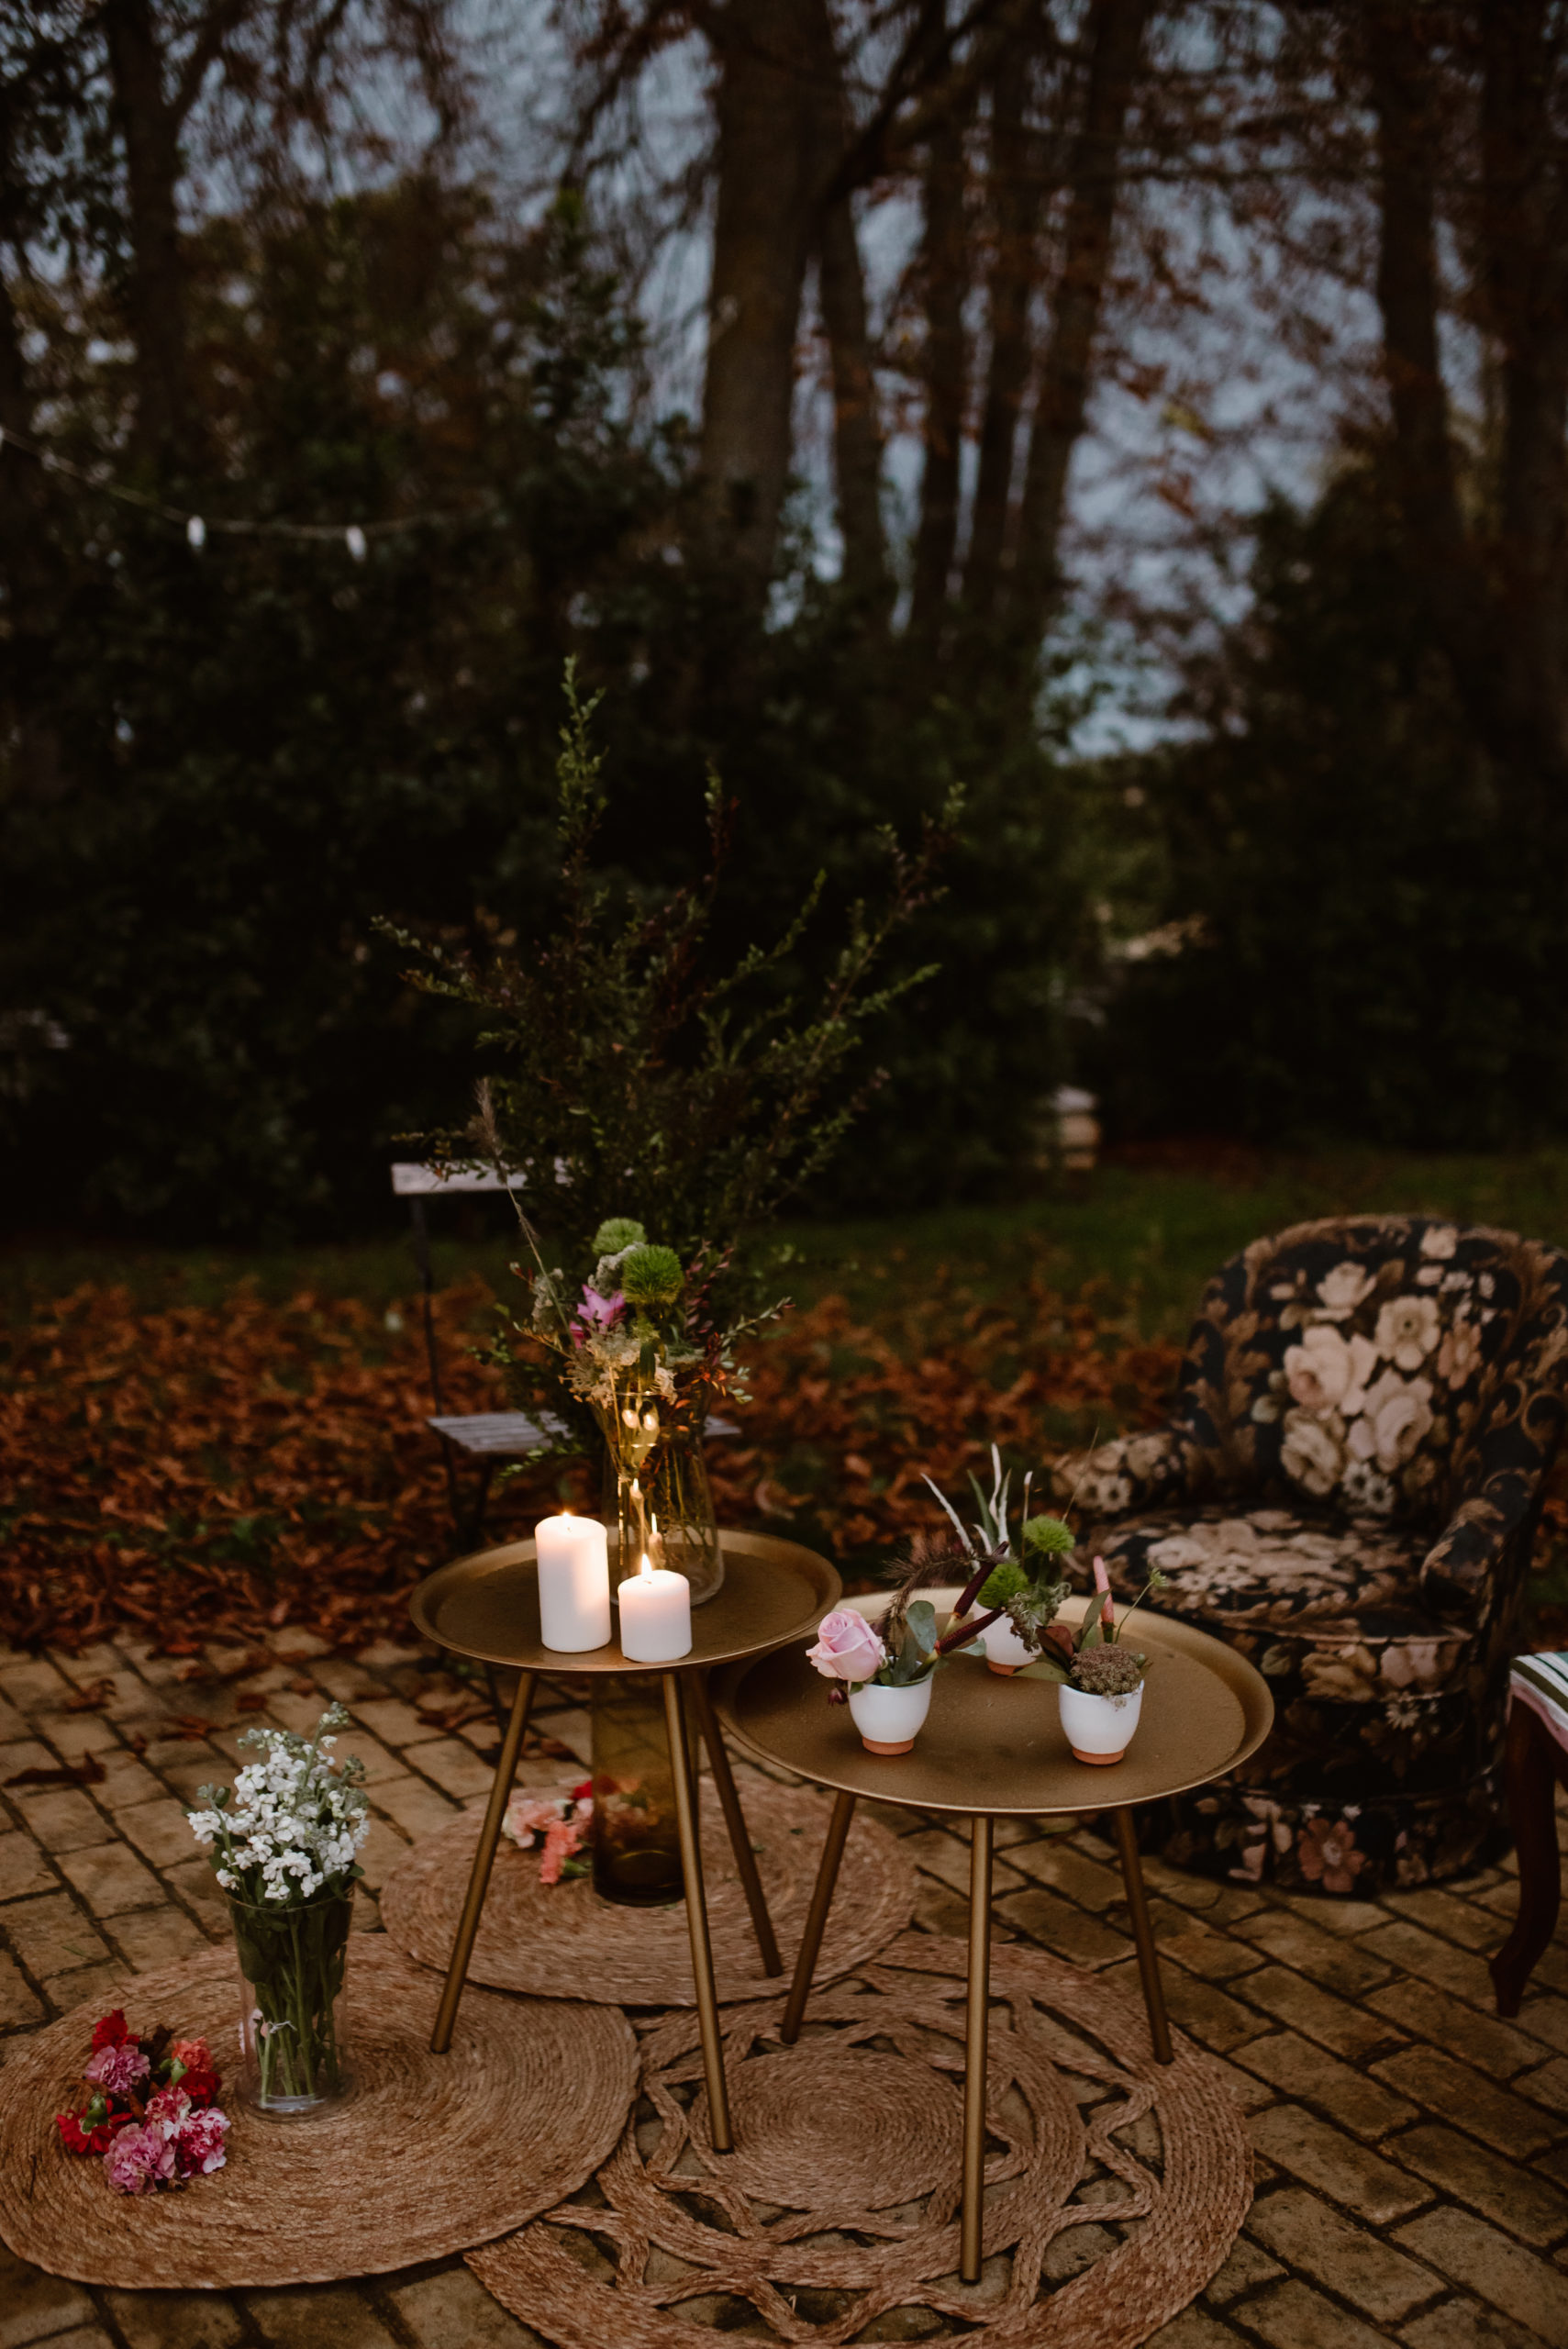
[[425, 2156], [562, 1940], [1115, 2186]]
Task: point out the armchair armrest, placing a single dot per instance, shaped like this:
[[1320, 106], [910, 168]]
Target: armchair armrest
[[1156, 1469], [1460, 1569]]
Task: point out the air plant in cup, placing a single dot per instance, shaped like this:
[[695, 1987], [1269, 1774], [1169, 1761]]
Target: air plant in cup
[[1098, 1677], [1018, 1588]]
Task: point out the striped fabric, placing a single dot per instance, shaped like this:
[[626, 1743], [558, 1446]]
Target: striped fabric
[[1542, 1681]]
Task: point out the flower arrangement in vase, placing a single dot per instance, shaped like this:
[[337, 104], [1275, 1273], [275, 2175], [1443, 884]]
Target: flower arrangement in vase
[[634, 1069], [883, 1671], [1100, 1680], [639, 1351], [283, 1845]]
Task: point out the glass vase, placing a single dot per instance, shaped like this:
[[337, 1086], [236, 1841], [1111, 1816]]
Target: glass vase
[[292, 1964], [662, 1508], [636, 1848]]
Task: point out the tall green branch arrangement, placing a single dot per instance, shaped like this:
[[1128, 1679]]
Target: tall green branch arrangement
[[631, 1079]]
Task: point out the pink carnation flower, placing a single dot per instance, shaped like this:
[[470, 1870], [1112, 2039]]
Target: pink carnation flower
[[140, 2159], [563, 1840], [846, 1647], [119, 2068], [199, 2142]]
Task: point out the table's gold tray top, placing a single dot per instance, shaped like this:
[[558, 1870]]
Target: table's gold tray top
[[486, 1607], [996, 1745]]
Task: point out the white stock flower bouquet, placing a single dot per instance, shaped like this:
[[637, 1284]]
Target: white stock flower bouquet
[[283, 1844]]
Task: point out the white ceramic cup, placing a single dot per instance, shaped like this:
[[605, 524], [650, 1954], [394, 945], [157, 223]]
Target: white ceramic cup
[[1005, 1652], [1099, 1728], [889, 1720]]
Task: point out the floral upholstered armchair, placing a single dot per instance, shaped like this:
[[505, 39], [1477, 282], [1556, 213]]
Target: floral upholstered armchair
[[1347, 1493]]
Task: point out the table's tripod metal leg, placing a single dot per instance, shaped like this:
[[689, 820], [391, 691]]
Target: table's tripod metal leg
[[1143, 1936], [816, 1917], [735, 1820], [975, 2036], [483, 1860], [697, 1919]]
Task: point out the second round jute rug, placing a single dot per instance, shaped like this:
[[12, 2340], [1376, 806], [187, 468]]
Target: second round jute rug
[[1115, 2186], [562, 1940], [426, 2154]]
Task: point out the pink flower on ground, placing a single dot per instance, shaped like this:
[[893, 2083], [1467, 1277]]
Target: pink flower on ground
[[563, 1840], [531, 1815], [140, 2159], [119, 2067], [846, 1647], [199, 2142], [167, 2109]]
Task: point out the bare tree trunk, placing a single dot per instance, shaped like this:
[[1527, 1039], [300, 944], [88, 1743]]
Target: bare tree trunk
[[768, 105], [1407, 298], [1524, 226], [1013, 206], [1116, 40], [857, 428], [1495, 612], [32, 762], [944, 275], [156, 292]]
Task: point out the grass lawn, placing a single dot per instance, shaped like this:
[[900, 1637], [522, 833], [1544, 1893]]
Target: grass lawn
[[1147, 1231]]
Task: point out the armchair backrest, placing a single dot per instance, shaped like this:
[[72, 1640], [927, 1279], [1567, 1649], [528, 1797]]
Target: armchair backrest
[[1391, 1364]]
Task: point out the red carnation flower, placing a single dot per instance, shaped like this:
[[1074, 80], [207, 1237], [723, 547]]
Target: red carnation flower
[[110, 2030], [77, 2140]]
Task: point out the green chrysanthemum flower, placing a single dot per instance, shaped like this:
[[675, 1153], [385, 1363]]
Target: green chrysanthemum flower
[[1049, 1537], [1003, 1583], [617, 1231], [652, 1278]]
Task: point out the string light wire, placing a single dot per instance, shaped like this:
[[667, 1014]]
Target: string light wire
[[353, 536]]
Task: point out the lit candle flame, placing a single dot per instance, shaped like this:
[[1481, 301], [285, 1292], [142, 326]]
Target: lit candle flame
[[646, 1569]]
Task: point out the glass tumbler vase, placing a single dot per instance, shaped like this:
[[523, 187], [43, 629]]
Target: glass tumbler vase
[[636, 1848], [665, 1511], [292, 1960]]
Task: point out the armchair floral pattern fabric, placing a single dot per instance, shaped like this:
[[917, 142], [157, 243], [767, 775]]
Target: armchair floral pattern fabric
[[1346, 1492]]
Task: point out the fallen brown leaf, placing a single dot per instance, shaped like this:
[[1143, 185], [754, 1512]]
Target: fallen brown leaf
[[88, 1771]]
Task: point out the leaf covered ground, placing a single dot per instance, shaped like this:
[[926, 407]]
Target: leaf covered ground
[[196, 1471]]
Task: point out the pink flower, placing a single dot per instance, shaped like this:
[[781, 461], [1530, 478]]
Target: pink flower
[[596, 1312], [198, 2143], [531, 1815], [563, 1840], [118, 2066], [846, 1647], [140, 2159], [167, 2108]]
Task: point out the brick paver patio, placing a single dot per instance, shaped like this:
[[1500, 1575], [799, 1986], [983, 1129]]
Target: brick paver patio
[[1411, 2150]]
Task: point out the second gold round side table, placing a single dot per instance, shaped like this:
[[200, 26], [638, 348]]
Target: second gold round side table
[[994, 1748]]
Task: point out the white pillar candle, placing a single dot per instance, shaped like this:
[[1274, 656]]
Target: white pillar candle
[[655, 1616], [573, 1582]]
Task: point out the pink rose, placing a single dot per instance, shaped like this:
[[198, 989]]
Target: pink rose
[[846, 1647], [119, 2068], [140, 2159], [198, 2144]]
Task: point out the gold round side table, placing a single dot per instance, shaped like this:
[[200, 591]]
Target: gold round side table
[[486, 1607], [994, 1748]]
